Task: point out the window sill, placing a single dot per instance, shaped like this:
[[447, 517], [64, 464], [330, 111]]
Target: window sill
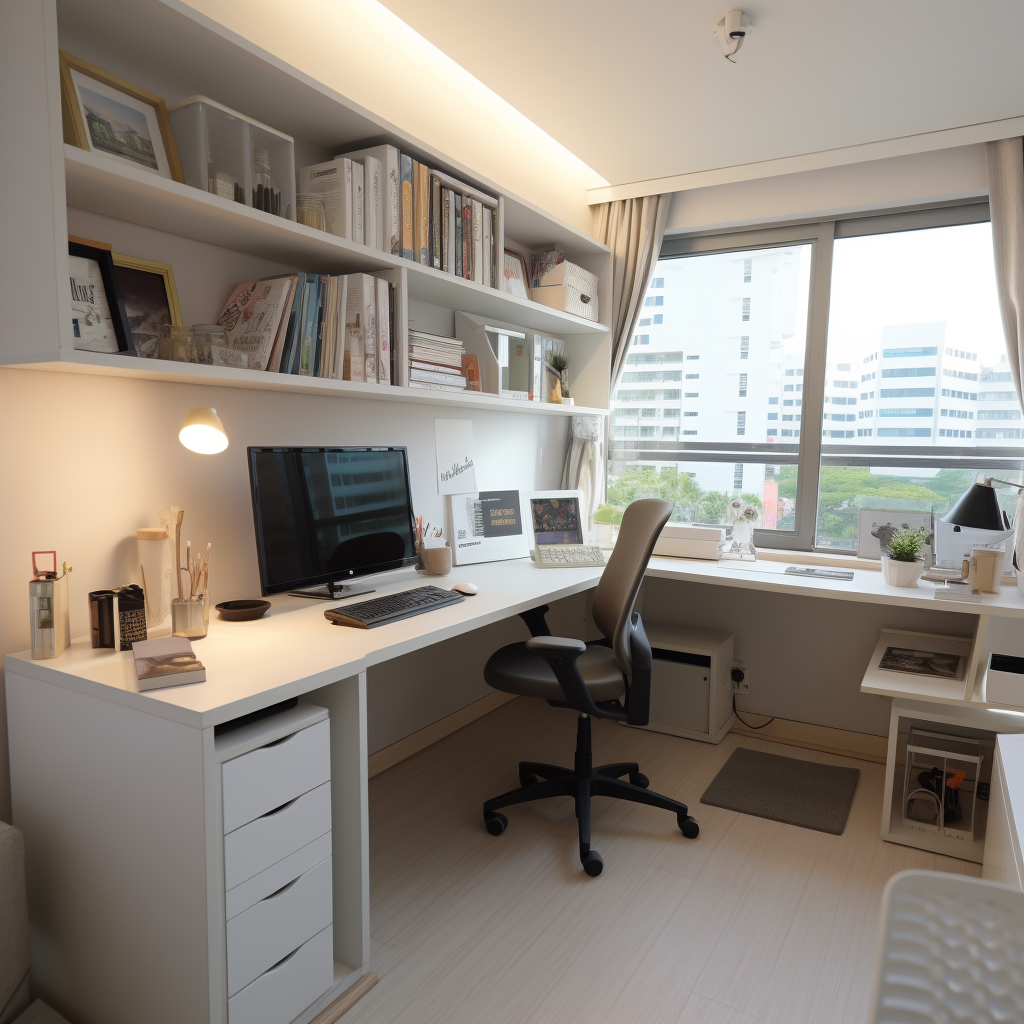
[[835, 561]]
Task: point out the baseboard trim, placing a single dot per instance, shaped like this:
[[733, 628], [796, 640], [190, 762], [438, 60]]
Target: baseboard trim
[[860, 745], [346, 1000], [390, 756]]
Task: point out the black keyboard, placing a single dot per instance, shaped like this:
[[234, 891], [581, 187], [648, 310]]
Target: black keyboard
[[382, 610]]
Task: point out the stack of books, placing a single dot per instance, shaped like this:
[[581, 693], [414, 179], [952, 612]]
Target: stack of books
[[441, 364], [384, 199], [314, 325]]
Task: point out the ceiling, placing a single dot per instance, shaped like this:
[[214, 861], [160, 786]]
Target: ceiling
[[641, 90]]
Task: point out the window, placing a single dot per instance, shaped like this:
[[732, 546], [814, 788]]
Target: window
[[673, 413], [905, 412], [654, 300], [648, 431], [748, 266], [998, 414], [741, 424], [746, 310], [689, 412], [905, 393], [644, 322], [996, 396], [910, 371], [899, 353], [693, 357], [658, 318], [641, 339], [743, 386], [904, 431], [648, 413], [693, 376], [648, 376], [773, 415], [657, 282], [691, 394], [745, 347], [774, 401], [641, 358], [737, 477]]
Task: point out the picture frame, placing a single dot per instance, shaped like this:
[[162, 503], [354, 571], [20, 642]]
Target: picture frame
[[874, 526], [943, 660], [517, 275], [103, 113], [534, 518], [99, 322], [486, 526], [150, 300]]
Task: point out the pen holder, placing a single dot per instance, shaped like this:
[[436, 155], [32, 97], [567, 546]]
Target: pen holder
[[436, 561], [190, 618]]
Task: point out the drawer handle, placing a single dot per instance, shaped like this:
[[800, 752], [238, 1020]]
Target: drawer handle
[[280, 963], [277, 743], [284, 888], [584, 298], [278, 810]]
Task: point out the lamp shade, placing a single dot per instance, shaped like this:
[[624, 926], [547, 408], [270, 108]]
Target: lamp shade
[[978, 509], [203, 432]]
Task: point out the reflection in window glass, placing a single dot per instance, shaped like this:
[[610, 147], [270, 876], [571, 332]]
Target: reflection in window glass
[[915, 344], [733, 331]]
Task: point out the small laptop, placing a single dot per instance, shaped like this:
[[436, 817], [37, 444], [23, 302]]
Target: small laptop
[[558, 533]]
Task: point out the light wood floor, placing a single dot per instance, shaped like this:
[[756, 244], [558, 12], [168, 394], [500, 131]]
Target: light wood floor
[[753, 921]]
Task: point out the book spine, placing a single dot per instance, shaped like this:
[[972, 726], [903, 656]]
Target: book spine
[[369, 298], [467, 237], [421, 203], [354, 329], [407, 207], [393, 339], [287, 318], [449, 237], [486, 281], [471, 368], [455, 379], [358, 202], [308, 327], [383, 332], [321, 319], [429, 385], [340, 314], [373, 208], [393, 228], [293, 342], [478, 243], [435, 222], [457, 235]]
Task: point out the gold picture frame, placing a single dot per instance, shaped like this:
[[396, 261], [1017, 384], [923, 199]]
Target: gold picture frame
[[510, 282], [150, 299], [134, 145]]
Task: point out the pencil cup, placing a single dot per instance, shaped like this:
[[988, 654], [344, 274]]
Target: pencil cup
[[190, 618], [436, 561]]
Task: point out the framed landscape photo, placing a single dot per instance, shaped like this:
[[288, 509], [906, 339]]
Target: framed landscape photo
[[98, 319], [150, 300], [875, 528], [516, 274], [105, 114]]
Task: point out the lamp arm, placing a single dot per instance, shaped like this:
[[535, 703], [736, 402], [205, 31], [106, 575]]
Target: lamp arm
[[990, 480]]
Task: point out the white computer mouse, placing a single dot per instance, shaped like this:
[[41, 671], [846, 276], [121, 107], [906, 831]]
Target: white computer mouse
[[469, 589]]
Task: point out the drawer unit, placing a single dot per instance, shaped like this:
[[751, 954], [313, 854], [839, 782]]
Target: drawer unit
[[270, 929], [254, 889], [263, 842], [271, 775], [286, 989]]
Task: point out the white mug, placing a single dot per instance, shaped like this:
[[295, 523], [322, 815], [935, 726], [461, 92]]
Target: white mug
[[985, 570]]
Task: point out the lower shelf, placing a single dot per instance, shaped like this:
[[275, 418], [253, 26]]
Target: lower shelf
[[229, 377], [345, 976]]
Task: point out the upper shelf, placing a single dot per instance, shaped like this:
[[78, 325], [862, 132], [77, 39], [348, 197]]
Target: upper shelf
[[260, 380], [118, 189], [180, 45]]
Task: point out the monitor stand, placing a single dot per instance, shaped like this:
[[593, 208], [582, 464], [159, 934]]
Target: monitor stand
[[332, 591]]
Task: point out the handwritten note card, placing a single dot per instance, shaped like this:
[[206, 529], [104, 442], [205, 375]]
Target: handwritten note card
[[453, 441]]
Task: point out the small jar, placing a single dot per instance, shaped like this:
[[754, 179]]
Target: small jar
[[190, 617], [205, 338], [176, 343]]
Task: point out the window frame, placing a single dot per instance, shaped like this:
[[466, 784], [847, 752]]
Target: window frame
[[812, 452]]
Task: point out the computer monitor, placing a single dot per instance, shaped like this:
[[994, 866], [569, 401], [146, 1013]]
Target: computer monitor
[[327, 515], [556, 519]]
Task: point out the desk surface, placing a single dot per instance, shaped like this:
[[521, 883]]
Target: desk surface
[[293, 649]]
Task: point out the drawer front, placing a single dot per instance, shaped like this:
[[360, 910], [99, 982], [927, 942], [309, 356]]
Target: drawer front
[[254, 889], [282, 993], [263, 842], [269, 776], [260, 936]]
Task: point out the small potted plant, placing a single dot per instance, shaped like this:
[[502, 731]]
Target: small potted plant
[[560, 364], [902, 566]]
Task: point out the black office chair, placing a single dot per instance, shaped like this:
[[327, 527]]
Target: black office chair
[[609, 678]]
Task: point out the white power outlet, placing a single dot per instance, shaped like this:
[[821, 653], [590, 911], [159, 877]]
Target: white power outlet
[[741, 684]]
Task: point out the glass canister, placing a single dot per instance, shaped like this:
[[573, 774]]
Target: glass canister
[[206, 338], [190, 617], [311, 210], [176, 343], [156, 566]]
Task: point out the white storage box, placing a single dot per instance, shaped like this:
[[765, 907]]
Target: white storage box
[[566, 298], [233, 156], [1004, 683], [683, 540], [563, 285]]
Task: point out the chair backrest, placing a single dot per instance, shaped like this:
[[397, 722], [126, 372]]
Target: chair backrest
[[615, 596]]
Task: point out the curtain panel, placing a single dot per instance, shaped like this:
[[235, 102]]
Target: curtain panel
[[1004, 161]]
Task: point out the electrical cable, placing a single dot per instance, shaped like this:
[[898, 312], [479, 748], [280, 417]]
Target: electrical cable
[[747, 724]]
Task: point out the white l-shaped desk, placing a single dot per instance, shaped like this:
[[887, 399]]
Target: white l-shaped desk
[[117, 791]]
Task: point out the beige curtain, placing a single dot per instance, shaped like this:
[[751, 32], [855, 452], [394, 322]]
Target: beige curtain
[[633, 229], [1005, 162]]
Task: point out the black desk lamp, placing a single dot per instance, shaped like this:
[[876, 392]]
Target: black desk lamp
[[978, 507]]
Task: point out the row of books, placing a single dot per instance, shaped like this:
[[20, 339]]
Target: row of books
[[386, 200], [437, 363], [315, 325]]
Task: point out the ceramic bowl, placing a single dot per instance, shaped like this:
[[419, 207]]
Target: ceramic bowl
[[242, 611]]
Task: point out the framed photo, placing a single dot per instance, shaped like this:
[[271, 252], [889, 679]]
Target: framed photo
[[98, 319], [150, 300], [876, 527], [556, 517], [921, 654], [105, 114], [516, 274], [486, 526]]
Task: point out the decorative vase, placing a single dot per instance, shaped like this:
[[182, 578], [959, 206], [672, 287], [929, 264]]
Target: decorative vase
[[564, 380], [555, 394], [901, 574]]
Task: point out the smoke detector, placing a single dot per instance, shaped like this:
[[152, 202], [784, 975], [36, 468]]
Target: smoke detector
[[731, 32]]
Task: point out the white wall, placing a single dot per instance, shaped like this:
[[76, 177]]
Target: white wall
[[834, 191], [86, 460]]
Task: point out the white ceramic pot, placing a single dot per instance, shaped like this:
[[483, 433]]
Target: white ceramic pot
[[901, 574]]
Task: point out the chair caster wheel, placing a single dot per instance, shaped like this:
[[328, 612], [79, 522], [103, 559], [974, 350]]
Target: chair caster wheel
[[639, 779], [688, 826], [592, 863], [527, 780], [495, 823]]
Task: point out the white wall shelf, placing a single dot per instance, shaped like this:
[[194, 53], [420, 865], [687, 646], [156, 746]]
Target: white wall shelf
[[259, 380]]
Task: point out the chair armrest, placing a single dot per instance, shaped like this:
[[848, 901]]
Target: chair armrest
[[556, 645], [535, 621], [638, 696]]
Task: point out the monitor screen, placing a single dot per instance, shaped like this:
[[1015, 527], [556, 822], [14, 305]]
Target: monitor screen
[[556, 521], [325, 515]]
